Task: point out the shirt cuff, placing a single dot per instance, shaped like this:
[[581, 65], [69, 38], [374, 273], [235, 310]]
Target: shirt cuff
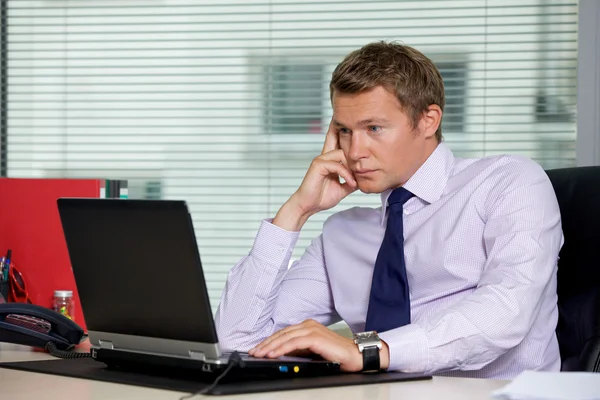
[[409, 350], [273, 244]]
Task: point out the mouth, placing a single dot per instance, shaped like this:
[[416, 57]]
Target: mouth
[[364, 172]]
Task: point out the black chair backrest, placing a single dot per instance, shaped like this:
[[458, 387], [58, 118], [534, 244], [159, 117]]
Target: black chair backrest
[[578, 330]]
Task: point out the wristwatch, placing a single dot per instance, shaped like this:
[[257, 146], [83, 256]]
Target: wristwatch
[[369, 345]]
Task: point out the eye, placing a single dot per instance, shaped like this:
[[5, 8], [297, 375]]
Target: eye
[[344, 131], [374, 129]]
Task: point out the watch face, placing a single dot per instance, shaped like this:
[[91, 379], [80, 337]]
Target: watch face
[[367, 335], [366, 339]]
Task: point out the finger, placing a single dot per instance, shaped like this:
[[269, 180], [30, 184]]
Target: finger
[[300, 343], [305, 353], [331, 139], [332, 167], [280, 333], [348, 189], [307, 327], [273, 337], [336, 155], [329, 347], [281, 339]]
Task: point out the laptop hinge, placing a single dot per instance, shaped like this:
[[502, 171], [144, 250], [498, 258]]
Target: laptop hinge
[[197, 355], [106, 344]]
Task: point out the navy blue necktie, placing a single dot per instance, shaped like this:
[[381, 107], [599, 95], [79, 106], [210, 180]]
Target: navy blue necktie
[[389, 302]]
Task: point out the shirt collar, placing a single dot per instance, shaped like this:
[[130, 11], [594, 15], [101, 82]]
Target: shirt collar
[[429, 181]]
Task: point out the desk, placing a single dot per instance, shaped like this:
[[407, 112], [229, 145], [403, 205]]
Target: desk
[[18, 385]]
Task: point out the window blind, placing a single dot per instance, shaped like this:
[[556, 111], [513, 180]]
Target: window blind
[[224, 104]]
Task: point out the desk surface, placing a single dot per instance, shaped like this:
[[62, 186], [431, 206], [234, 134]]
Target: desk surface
[[17, 385]]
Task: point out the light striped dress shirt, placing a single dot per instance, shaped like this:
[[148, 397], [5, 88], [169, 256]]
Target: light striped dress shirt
[[482, 238]]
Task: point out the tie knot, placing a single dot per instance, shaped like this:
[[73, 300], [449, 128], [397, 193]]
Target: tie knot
[[399, 196]]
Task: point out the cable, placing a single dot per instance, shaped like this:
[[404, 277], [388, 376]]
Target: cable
[[234, 360], [53, 350]]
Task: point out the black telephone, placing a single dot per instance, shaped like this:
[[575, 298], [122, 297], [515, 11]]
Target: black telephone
[[36, 326]]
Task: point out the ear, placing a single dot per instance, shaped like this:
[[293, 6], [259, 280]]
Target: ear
[[430, 121]]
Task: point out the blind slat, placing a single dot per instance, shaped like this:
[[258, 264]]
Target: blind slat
[[200, 98]]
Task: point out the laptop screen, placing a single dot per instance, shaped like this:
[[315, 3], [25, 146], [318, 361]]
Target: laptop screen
[[137, 268]]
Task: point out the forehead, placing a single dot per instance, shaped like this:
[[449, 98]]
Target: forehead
[[377, 103]]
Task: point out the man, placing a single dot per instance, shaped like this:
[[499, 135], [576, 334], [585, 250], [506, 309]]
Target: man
[[456, 271]]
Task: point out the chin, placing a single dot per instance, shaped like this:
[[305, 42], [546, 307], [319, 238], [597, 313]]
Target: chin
[[370, 187]]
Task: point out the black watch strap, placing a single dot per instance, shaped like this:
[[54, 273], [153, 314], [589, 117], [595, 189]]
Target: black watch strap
[[371, 359]]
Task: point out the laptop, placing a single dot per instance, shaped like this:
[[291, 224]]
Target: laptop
[[143, 291]]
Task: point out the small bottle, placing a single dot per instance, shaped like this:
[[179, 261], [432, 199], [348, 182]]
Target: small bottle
[[63, 303]]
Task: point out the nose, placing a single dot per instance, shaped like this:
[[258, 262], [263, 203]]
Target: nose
[[358, 147]]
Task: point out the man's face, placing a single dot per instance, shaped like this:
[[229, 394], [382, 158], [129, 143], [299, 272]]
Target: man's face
[[376, 136]]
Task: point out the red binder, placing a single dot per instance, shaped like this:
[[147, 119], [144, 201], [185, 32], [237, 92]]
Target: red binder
[[30, 226]]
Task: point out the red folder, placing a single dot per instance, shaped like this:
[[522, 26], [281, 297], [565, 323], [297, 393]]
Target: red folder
[[30, 226]]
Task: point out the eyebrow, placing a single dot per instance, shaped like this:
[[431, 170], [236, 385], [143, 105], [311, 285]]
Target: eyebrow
[[364, 122]]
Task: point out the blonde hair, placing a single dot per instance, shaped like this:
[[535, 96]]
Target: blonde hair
[[401, 69]]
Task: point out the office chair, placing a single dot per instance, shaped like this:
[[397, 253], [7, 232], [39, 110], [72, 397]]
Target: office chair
[[578, 330]]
